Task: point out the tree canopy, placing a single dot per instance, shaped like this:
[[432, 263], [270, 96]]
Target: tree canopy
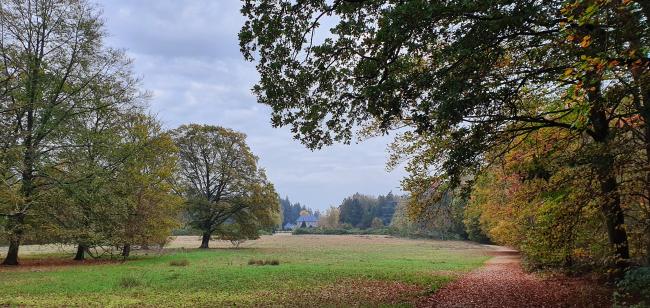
[[222, 183], [461, 78], [56, 77], [363, 211]]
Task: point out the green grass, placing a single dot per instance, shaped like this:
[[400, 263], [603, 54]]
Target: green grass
[[309, 267]]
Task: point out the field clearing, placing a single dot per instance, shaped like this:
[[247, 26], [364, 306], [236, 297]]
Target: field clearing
[[313, 270]]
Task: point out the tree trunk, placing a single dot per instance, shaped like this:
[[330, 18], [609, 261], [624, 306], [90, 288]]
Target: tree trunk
[[645, 114], [15, 227], [615, 220], [605, 168], [126, 251], [81, 253], [205, 240], [12, 253], [611, 206], [643, 81], [647, 247]]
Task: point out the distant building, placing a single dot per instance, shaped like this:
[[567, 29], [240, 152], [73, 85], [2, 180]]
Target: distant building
[[289, 226], [307, 221]]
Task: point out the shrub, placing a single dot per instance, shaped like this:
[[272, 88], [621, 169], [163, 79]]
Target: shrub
[[182, 262], [634, 289], [300, 231], [341, 231], [129, 282], [336, 231], [263, 262]]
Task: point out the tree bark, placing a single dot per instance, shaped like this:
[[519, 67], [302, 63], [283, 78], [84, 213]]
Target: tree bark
[[615, 220], [126, 251], [15, 225], [646, 117], [603, 163], [611, 206], [642, 79], [205, 240], [12, 254], [81, 253], [647, 246]]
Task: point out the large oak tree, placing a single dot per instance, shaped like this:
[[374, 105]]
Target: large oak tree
[[224, 187]]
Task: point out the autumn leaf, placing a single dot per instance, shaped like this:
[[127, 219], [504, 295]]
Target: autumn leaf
[[568, 72]]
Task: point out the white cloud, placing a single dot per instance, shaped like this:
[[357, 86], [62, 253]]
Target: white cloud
[[187, 54]]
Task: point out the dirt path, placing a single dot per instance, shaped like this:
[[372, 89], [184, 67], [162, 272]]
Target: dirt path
[[503, 283]]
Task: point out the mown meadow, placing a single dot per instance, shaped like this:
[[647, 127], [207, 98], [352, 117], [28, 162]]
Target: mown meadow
[[312, 270]]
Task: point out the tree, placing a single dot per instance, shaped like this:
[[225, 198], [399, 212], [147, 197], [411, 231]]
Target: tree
[[386, 207], [537, 199], [462, 77], [443, 220], [286, 208], [354, 210], [147, 207], [222, 183], [360, 210], [376, 223], [291, 211], [128, 199], [237, 236], [92, 166], [330, 219], [52, 57]]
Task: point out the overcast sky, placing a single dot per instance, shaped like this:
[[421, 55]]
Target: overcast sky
[[187, 54]]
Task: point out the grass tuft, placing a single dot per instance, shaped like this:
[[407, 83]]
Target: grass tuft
[[263, 262], [129, 282], [182, 262]]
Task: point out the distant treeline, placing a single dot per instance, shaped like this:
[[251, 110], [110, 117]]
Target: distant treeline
[[363, 211], [291, 211], [357, 211], [385, 215]]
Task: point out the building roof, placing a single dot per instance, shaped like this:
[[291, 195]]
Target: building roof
[[307, 218]]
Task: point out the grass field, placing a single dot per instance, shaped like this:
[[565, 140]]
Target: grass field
[[313, 270]]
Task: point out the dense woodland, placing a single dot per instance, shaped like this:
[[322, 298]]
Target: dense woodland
[[528, 117]]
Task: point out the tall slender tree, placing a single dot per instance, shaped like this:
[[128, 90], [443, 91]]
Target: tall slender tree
[[52, 56], [146, 207]]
